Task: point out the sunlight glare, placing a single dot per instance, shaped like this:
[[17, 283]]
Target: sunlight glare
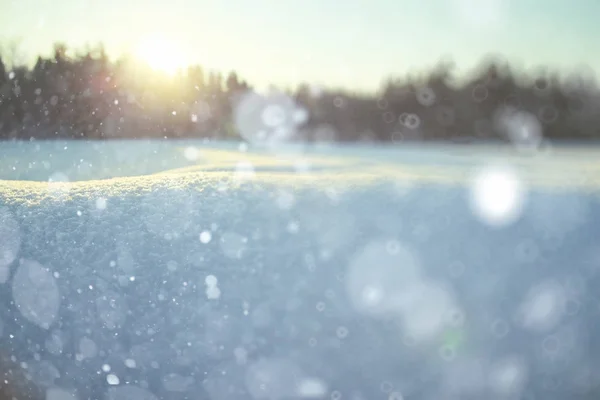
[[161, 54]]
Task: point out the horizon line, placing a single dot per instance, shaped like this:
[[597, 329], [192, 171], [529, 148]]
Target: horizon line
[[491, 58]]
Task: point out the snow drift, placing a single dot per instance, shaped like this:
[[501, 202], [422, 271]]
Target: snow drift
[[181, 270]]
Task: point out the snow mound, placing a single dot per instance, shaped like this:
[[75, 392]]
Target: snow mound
[[347, 273]]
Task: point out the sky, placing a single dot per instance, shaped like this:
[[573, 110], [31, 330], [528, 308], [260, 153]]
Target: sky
[[351, 43]]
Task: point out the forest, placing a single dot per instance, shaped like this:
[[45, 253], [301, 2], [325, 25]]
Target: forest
[[88, 96]]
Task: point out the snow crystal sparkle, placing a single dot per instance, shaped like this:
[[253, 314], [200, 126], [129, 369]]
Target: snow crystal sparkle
[[374, 278], [112, 379], [211, 280], [508, 376], [213, 292], [191, 153], [312, 388], [523, 129], [341, 332], [497, 196], [270, 119], [233, 245], [36, 294], [426, 96], [101, 203], [205, 237], [395, 396], [543, 307], [244, 171]]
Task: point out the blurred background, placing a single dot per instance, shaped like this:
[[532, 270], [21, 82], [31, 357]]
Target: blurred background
[[362, 70]]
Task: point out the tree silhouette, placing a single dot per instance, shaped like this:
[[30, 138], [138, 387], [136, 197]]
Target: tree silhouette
[[88, 96]]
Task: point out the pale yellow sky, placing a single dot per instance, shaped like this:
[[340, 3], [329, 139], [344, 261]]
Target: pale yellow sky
[[354, 44]]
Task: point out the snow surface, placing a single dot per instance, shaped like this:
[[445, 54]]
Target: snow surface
[[175, 270]]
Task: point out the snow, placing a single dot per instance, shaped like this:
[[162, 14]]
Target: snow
[[544, 306], [205, 237], [311, 388], [128, 392], [36, 293], [177, 383], [273, 378], [59, 394], [378, 279], [498, 195], [146, 270], [88, 348], [112, 379], [508, 375], [10, 241]]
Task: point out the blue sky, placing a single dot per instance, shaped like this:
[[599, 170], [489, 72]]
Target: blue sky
[[352, 43]]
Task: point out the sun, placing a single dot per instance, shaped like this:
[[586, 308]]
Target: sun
[[161, 54]]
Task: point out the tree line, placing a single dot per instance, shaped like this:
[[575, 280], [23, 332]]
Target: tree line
[[88, 96]]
